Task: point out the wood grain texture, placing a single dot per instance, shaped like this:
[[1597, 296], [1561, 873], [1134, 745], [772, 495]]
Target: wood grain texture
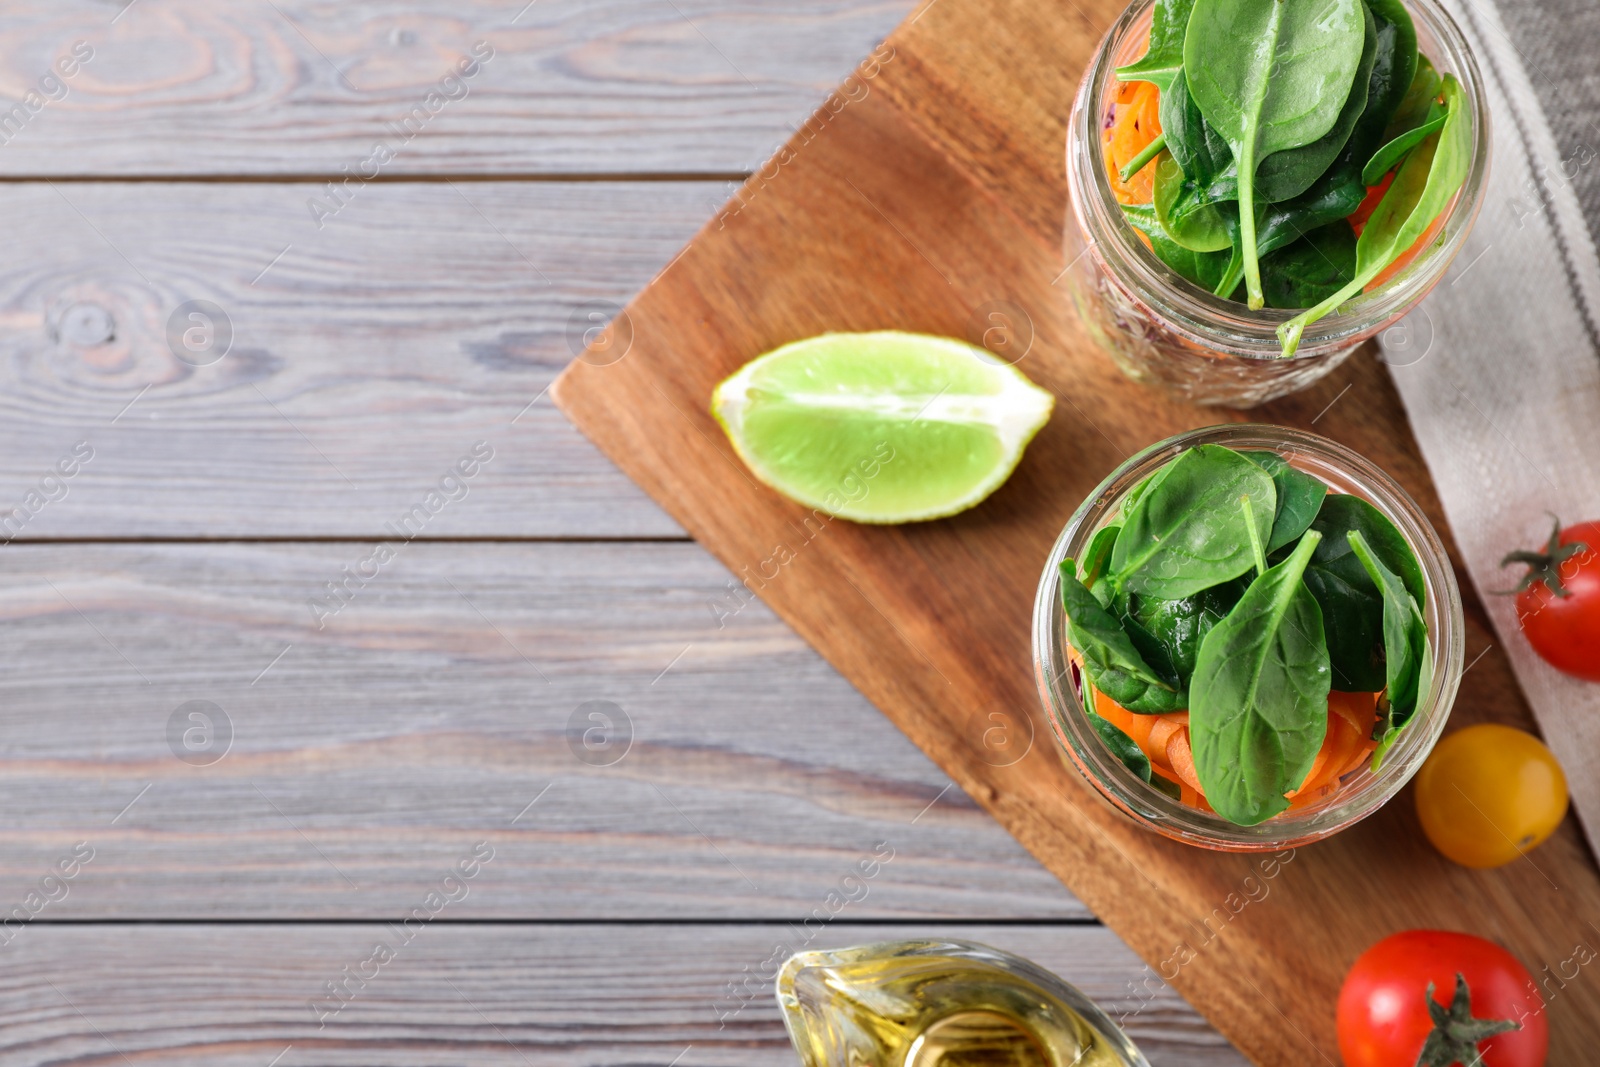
[[431, 710], [186, 87], [938, 192], [366, 356], [501, 996]]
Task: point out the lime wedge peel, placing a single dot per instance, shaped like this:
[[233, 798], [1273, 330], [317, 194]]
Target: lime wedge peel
[[883, 427]]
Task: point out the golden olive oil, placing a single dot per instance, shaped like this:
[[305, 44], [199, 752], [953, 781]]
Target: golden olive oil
[[941, 1004], [977, 1039]]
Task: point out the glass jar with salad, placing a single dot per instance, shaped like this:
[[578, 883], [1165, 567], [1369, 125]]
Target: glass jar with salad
[[1364, 131], [1248, 638]]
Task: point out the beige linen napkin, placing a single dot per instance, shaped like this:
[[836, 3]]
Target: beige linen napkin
[[1499, 368]]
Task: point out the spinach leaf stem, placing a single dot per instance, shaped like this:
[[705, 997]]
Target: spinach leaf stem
[[1256, 548], [1138, 162]]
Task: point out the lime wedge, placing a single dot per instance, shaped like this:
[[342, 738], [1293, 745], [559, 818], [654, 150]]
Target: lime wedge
[[881, 427]]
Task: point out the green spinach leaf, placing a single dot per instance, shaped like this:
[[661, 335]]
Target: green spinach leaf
[[1168, 633], [1285, 175], [1131, 501], [1258, 706], [1269, 77], [1110, 659], [1149, 645], [1098, 554], [1096, 558], [1387, 156], [1339, 191], [1335, 196], [1388, 729], [1200, 151], [1300, 498], [1416, 102], [1207, 161], [1121, 745], [1307, 271], [1352, 604], [1191, 222], [1342, 513], [1421, 191], [1393, 73], [1125, 748], [1163, 60], [1205, 269], [1352, 622], [1405, 643], [1187, 532]]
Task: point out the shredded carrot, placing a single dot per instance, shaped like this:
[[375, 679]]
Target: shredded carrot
[[1188, 795], [1340, 742], [1350, 721], [1135, 122], [1360, 758], [1374, 197], [1182, 759], [1357, 709], [1303, 799], [1125, 139], [1150, 115], [1135, 726], [1314, 778], [1360, 710], [1161, 737]]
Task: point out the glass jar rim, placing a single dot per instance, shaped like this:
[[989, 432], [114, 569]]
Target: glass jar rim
[[1227, 326], [1346, 470]]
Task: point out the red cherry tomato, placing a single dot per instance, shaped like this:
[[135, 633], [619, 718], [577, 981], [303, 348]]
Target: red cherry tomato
[[1558, 602], [1384, 1020]]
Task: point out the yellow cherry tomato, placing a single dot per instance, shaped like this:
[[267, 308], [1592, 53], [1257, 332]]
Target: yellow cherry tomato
[[1489, 793]]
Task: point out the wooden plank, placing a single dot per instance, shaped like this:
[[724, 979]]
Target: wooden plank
[[363, 364], [503, 995], [436, 705], [938, 193], [186, 87]]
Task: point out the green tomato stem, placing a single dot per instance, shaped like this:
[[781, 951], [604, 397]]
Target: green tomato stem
[[1140, 161]]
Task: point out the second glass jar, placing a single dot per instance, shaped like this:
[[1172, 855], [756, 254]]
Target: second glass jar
[[1361, 793]]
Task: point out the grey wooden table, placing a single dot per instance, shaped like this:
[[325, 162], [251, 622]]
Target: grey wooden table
[[355, 709]]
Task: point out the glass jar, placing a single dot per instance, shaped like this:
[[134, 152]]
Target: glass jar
[[941, 1004], [1164, 330], [1361, 792]]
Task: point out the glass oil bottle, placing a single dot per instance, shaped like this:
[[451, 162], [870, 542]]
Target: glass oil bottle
[[941, 1004]]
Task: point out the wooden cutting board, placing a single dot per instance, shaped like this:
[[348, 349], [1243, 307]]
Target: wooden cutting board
[[930, 186]]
